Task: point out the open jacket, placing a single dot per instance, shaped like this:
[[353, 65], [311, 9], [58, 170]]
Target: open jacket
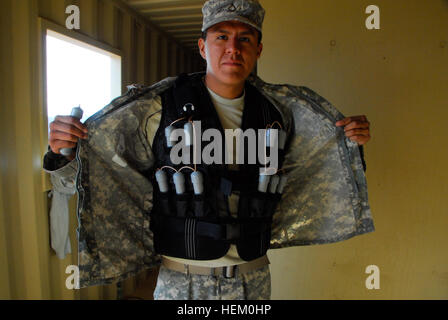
[[325, 199]]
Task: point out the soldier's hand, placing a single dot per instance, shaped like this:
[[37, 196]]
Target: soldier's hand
[[65, 132], [357, 128]]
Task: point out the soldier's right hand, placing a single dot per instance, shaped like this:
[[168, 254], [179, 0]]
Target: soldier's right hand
[[65, 132]]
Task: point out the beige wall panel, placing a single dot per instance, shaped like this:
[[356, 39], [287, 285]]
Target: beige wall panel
[[106, 22], [27, 201], [154, 57], [188, 63], [37, 116], [178, 54], [109, 292], [147, 56], [160, 61], [89, 17], [141, 54], [398, 77], [29, 267], [164, 58], [169, 58], [5, 111], [173, 61], [182, 60], [198, 65], [53, 10], [9, 154], [5, 288], [125, 46], [58, 267]]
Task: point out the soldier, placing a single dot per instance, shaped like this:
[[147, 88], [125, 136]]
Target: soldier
[[192, 234]]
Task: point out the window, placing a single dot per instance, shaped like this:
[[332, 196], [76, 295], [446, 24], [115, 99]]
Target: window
[[78, 73]]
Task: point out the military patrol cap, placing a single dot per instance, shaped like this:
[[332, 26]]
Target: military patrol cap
[[247, 11]]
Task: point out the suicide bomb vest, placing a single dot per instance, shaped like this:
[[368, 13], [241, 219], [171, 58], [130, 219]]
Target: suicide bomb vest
[[190, 217], [324, 201]]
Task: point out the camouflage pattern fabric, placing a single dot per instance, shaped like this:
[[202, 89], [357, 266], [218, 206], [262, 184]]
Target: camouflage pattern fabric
[[252, 285], [324, 201], [114, 197], [246, 11]]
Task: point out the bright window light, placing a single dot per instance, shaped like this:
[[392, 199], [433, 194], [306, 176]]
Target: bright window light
[[79, 74]]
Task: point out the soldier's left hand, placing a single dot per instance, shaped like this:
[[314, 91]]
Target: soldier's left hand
[[357, 128]]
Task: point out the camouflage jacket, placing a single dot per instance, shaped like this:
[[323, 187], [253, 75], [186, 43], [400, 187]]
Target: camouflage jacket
[[325, 200]]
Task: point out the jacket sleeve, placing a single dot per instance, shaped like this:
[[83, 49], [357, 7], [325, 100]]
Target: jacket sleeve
[[62, 173], [58, 165]]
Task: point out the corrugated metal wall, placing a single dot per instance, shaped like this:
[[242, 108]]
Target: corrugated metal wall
[[29, 269]]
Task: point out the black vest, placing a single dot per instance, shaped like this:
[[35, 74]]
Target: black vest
[[200, 227]]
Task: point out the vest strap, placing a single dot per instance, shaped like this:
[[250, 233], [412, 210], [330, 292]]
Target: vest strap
[[216, 231]]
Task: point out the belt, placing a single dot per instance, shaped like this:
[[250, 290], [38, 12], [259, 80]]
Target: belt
[[226, 271]]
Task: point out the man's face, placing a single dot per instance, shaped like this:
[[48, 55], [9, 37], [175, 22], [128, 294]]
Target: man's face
[[231, 50]]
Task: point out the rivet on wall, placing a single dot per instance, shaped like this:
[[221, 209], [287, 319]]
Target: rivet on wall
[[333, 43]]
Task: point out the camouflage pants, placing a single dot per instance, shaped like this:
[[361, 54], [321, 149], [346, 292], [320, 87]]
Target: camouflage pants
[[174, 285]]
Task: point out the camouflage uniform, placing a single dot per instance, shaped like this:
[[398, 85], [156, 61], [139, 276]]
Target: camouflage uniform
[[174, 285], [324, 201]]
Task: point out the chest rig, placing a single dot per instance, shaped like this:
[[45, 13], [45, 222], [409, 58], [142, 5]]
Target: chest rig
[[198, 225]]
